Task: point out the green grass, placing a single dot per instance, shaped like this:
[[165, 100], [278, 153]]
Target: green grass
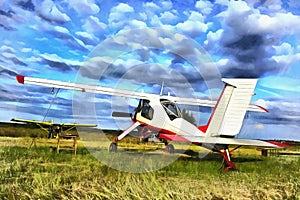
[[37, 173]]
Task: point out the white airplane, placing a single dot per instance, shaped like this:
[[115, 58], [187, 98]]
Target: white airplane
[[161, 115]]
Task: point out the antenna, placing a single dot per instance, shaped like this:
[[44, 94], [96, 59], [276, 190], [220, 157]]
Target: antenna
[[162, 88]]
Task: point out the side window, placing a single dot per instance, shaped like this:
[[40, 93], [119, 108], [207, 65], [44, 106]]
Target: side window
[[147, 110]]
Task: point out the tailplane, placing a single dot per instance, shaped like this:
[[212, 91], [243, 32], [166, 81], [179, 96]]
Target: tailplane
[[228, 115]]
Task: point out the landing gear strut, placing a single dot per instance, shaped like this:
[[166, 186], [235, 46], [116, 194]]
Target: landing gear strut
[[113, 147], [228, 165]]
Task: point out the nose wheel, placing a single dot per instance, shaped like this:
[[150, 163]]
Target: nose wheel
[[113, 147]]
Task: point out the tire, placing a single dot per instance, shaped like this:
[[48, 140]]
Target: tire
[[113, 147], [170, 148]]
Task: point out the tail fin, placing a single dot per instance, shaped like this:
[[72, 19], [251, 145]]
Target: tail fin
[[228, 115]]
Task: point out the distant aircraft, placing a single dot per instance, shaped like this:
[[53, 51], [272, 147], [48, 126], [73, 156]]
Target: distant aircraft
[[53, 129], [161, 115]]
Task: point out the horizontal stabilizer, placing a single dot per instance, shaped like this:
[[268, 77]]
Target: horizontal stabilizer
[[221, 140]]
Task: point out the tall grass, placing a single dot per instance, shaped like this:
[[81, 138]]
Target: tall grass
[[37, 173]]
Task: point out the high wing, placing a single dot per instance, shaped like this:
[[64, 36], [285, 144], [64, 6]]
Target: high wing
[[32, 122], [82, 87], [120, 92], [41, 123]]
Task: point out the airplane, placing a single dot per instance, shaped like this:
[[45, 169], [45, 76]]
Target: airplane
[[161, 115], [53, 129]]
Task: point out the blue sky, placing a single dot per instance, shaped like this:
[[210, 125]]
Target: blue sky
[[136, 45]]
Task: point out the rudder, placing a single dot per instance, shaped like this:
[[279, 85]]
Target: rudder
[[228, 115]]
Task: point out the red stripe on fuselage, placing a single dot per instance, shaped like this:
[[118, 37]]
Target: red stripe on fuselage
[[177, 138], [165, 134]]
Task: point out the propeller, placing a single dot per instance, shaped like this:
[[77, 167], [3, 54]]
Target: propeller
[[121, 114]]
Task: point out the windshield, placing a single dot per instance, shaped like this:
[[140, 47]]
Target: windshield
[[171, 109]]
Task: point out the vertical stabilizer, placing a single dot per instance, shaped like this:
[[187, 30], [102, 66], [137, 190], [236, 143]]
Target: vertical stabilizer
[[228, 115]]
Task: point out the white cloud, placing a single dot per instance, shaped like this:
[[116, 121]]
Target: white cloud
[[166, 5], [248, 36], [8, 55], [213, 37], [285, 106], [247, 20], [120, 15], [61, 30], [84, 7], [194, 25], [58, 59], [168, 17], [222, 2], [150, 6], [284, 48], [26, 50], [85, 35], [93, 25], [274, 5], [33, 59], [8, 49], [122, 7], [49, 11], [286, 60], [136, 24], [222, 62], [42, 39], [204, 6], [149, 11]]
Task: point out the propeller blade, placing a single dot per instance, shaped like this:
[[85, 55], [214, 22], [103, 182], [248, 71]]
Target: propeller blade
[[121, 114]]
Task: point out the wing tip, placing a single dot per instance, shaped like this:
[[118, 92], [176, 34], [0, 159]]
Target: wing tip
[[279, 144], [20, 79], [262, 108]]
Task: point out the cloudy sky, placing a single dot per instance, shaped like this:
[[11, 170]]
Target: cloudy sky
[[136, 45]]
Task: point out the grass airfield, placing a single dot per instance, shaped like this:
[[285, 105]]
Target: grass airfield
[[38, 173]]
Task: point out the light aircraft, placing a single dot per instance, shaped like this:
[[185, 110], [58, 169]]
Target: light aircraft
[[161, 115], [53, 129]]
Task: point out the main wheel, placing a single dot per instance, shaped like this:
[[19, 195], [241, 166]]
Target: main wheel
[[170, 148], [113, 147]]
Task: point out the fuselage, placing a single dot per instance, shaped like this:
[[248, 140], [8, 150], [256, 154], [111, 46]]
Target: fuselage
[[164, 116]]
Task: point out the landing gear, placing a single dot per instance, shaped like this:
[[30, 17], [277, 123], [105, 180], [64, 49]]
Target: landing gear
[[113, 147], [228, 164], [170, 148]]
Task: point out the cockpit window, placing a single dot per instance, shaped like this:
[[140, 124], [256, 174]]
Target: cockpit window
[[147, 110], [171, 109]]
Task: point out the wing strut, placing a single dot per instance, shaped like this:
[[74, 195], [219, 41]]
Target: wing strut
[[56, 93]]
